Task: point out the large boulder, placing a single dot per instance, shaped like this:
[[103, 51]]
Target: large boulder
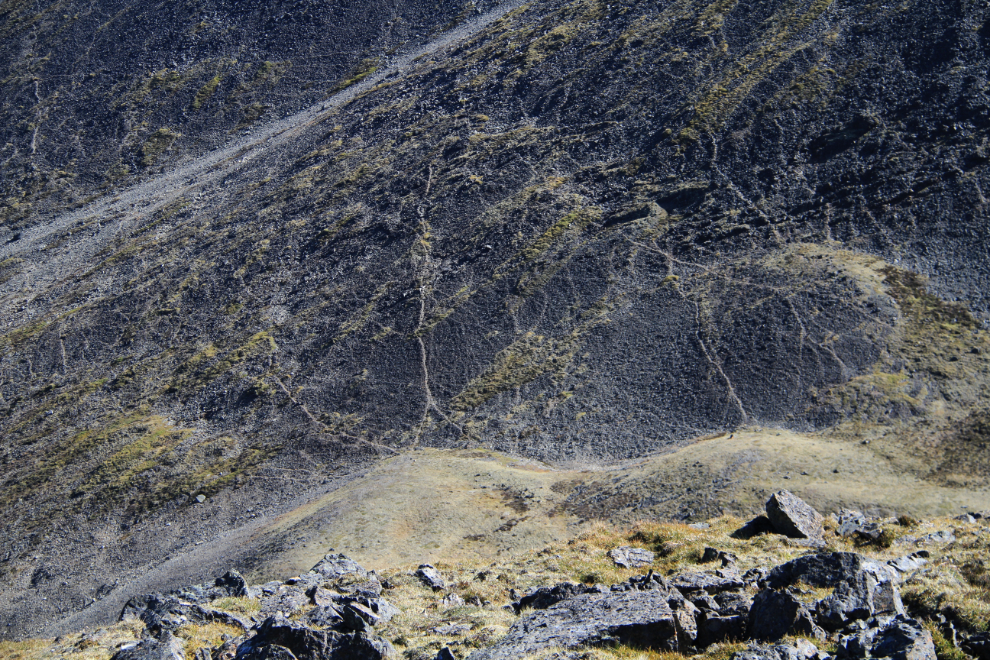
[[332, 567], [792, 517], [778, 613], [641, 618]]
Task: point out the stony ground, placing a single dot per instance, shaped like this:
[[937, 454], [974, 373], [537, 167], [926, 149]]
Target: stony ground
[[949, 593]]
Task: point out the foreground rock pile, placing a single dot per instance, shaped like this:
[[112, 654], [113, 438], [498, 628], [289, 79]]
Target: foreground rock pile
[[824, 604]]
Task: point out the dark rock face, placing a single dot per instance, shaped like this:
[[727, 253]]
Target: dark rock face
[[978, 646], [633, 617], [791, 516], [775, 614], [543, 597], [900, 638], [307, 644]]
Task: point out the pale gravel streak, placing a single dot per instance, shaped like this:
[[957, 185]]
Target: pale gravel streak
[[42, 270]]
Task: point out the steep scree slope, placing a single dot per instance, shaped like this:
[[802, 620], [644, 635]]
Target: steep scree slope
[[589, 231]]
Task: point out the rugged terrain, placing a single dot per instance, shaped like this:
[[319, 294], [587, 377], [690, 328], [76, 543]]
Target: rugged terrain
[[651, 590], [238, 272]]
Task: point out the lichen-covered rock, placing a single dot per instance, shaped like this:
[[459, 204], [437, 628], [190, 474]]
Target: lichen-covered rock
[[632, 617], [431, 577], [166, 647], [900, 638], [629, 557]]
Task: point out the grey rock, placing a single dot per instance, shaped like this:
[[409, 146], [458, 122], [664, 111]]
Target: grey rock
[[849, 521], [699, 525], [431, 577], [324, 616], [793, 517], [166, 647], [288, 599], [977, 646], [704, 602], [801, 649], [445, 654], [334, 566], [711, 583], [450, 629], [775, 614], [942, 536], [359, 617], [909, 563], [629, 557], [863, 587], [733, 603], [899, 639], [713, 554], [543, 597], [633, 617], [451, 600], [273, 652], [308, 644], [715, 629]]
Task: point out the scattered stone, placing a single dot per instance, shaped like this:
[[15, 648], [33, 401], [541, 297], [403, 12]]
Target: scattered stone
[[775, 614], [431, 577], [792, 517], [909, 563], [977, 646], [943, 536], [166, 647], [451, 629], [451, 600], [445, 654], [699, 525], [712, 554], [640, 618], [201, 498], [629, 557]]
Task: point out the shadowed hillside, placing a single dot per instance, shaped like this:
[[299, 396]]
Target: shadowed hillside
[[579, 232]]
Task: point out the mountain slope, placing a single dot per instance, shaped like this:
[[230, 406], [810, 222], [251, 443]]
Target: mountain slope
[[587, 232]]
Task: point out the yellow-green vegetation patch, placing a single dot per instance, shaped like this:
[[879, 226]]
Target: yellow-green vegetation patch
[[206, 92], [159, 142], [364, 69]]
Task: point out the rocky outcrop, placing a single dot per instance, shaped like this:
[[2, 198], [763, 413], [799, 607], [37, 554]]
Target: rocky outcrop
[[165, 648], [899, 638]]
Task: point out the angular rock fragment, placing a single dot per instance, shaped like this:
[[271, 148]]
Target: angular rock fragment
[[775, 614], [431, 577], [713, 629], [629, 557], [334, 566], [640, 618], [793, 517], [713, 554], [909, 563]]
